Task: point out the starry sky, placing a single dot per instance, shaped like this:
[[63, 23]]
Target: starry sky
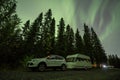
[[102, 15]]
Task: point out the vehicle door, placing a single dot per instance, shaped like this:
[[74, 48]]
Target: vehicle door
[[80, 62], [51, 60], [59, 60]]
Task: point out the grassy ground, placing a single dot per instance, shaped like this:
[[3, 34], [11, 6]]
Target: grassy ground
[[94, 74]]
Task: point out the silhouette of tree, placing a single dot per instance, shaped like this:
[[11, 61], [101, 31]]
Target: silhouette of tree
[[60, 44], [47, 32], [99, 52], [52, 36], [114, 60], [7, 9], [79, 45], [33, 34], [87, 42], [10, 37], [25, 33], [26, 30], [69, 40]]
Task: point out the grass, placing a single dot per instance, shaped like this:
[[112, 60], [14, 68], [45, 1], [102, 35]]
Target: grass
[[94, 74]]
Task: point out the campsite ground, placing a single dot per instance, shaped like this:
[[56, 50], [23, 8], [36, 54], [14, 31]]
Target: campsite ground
[[93, 74]]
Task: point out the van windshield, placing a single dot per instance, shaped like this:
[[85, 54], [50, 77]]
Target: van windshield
[[72, 59]]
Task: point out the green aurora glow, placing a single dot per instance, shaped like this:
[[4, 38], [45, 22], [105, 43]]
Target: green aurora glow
[[102, 15]]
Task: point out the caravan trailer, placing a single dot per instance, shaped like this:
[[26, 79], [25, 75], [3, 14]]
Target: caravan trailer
[[78, 61]]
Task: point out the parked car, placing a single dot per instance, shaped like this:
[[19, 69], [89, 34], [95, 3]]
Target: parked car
[[51, 61], [78, 61], [107, 66]]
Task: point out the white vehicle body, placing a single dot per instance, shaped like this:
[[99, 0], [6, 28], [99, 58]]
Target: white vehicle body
[[78, 61], [52, 61]]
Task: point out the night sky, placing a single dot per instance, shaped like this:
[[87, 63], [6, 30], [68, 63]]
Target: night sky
[[102, 15]]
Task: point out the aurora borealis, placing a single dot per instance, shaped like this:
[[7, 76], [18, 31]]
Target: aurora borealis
[[102, 15]]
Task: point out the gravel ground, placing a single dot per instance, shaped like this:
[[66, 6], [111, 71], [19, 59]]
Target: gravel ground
[[94, 74]]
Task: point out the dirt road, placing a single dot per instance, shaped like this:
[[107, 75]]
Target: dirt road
[[94, 74]]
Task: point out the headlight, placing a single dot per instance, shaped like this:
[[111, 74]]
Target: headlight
[[104, 66]]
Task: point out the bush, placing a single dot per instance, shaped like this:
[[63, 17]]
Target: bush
[[25, 59]]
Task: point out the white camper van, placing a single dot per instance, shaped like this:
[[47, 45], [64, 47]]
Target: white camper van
[[78, 61]]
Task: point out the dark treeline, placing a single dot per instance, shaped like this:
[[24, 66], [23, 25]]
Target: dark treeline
[[114, 60], [38, 38]]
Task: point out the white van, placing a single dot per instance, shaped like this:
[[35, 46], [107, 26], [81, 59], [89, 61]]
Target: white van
[[78, 61]]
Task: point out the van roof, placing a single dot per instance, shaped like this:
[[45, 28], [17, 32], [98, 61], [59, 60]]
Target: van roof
[[78, 55]]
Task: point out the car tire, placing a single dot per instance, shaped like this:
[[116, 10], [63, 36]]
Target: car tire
[[63, 67], [41, 67]]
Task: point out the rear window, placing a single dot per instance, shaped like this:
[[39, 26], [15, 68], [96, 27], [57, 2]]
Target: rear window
[[59, 58]]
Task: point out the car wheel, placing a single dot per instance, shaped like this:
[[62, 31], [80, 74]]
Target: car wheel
[[41, 67], [63, 67]]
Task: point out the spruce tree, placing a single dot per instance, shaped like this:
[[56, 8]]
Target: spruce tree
[[117, 61], [69, 40], [33, 34], [26, 29], [99, 52], [110, 60], [52, 36], [9, 32], [46, 38], [88, 42], [114, 60], [7, 10], [79, 46], [60, 44]]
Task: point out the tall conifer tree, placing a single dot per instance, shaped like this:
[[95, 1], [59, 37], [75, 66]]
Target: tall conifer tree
[[79, 46], [98, 51], [46, 41], [52, 36], [33, 34], [69, 40], [60, 44], [87, 42], [9, 32]]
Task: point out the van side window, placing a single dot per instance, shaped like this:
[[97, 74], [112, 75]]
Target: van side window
[[89, 60], [70, 59], [79, 59], [82, 59]]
